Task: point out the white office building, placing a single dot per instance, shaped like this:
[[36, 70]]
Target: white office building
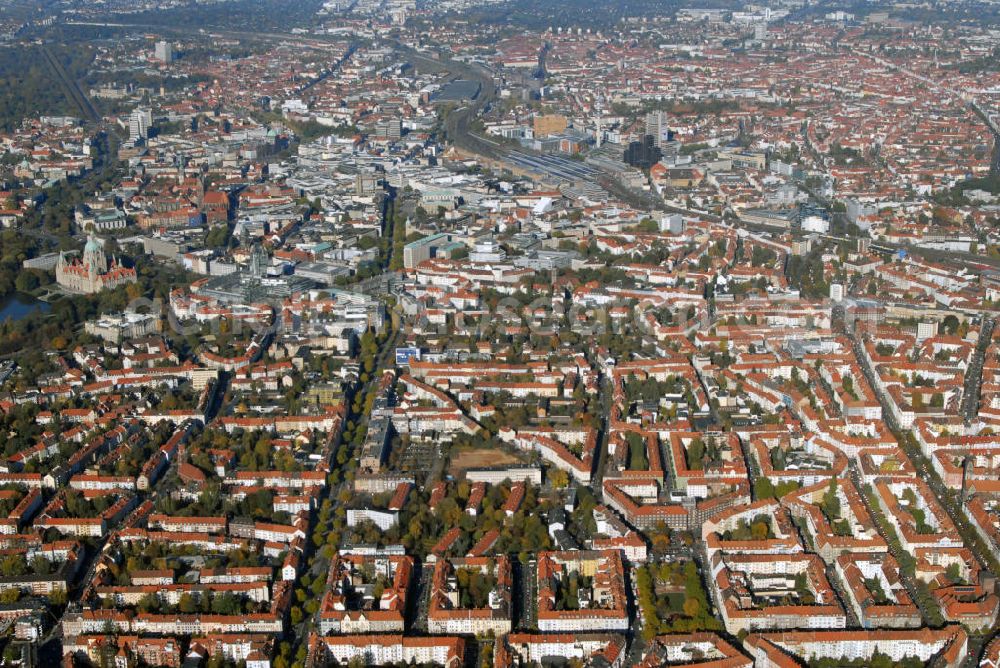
[[163, 51], [139, 123]]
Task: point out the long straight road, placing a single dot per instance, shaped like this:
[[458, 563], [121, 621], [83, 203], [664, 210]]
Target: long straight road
[[601, 457], [73, 89], [974, 374], [948, 498]]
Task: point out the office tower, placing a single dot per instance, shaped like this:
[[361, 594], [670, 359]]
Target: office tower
[[138, 124], [164, 51], [656, 127]]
